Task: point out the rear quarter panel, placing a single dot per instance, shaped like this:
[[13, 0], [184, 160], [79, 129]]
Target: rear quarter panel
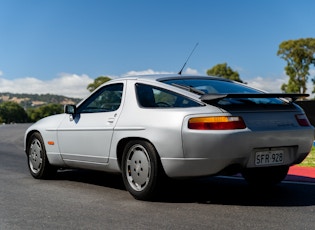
[[160, 126]]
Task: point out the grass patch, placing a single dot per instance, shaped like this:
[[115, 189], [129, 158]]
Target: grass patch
[[310, 159]]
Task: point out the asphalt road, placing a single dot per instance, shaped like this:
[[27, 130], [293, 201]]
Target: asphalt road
[[78, 199]]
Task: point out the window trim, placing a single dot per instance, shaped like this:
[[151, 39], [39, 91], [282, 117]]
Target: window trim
[[96, 94]]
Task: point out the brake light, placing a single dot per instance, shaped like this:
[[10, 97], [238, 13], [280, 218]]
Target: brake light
[[216, 123], [302, 120]]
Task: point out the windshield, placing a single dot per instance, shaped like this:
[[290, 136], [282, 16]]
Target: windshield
[[214, 86]]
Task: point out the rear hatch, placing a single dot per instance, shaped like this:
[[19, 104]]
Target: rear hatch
[[261, 111]]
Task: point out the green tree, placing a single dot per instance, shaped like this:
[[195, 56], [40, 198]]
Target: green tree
[[224, 71], [299, 55], [35, 114], [12, 112], [97, 82]]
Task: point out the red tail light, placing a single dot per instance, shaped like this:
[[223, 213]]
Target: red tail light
[[302, 120], [216, 123]]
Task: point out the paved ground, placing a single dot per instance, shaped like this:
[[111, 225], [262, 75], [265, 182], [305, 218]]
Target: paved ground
[[302, 174]]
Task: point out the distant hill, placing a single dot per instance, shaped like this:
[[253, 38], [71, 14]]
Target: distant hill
[[35, 100]]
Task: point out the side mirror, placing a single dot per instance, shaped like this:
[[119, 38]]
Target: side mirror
[[70, 109]]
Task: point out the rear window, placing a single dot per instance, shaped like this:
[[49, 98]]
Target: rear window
[[213, 86]]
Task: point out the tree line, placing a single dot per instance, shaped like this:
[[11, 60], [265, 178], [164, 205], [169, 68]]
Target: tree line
[[298, 55], [27, 100], [12, 112]]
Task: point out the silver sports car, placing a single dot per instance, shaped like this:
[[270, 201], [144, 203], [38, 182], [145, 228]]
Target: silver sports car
[[149, 128]]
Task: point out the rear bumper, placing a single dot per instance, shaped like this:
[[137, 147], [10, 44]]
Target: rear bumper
[[197, 167], [192, 167], [209, 154]]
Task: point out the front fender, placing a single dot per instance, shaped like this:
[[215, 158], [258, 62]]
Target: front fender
[[47, 128]]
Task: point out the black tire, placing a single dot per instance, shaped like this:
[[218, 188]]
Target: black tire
[[38, 163], [141, 170], [266, 176]]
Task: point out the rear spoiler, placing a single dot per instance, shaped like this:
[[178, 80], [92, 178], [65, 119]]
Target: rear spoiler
[[213, 97]]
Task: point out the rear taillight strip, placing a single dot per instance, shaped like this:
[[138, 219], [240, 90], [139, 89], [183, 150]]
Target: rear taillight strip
[[216, 123], [302, 120]]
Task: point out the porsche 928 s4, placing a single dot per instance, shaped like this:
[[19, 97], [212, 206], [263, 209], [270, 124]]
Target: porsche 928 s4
[[149, 128]]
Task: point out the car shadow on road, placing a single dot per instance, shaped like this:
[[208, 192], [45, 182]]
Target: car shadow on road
[[212, 190], [235, 191]]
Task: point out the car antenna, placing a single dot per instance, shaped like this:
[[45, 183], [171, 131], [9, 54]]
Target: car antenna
[[181, 70]]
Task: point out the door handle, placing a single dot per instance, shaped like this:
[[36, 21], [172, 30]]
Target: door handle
[[111, 120]]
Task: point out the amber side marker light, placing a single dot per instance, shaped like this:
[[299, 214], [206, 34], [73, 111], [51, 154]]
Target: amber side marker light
[[216, 123], [51, 142]]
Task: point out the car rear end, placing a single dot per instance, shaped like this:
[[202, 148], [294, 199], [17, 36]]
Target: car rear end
[[254, 130], [269, 138]]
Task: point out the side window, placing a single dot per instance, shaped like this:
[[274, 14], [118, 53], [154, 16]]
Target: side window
[[151, 97], [106, 99]]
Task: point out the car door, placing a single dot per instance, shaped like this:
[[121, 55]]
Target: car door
[[85, 137]]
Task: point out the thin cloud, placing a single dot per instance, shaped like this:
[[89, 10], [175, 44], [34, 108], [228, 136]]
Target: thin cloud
[[150, 72], [272, 85], [74, 85], [145, 72], [67, 84], [191, 71], [71, 85]]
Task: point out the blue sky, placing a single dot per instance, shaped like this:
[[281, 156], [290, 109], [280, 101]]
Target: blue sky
[[59, 46]]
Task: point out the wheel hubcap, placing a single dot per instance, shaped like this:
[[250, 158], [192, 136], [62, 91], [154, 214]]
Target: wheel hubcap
[[35, 156], [138, 167]]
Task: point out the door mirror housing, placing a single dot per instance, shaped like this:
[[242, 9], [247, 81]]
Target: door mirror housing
[[70, 109]]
